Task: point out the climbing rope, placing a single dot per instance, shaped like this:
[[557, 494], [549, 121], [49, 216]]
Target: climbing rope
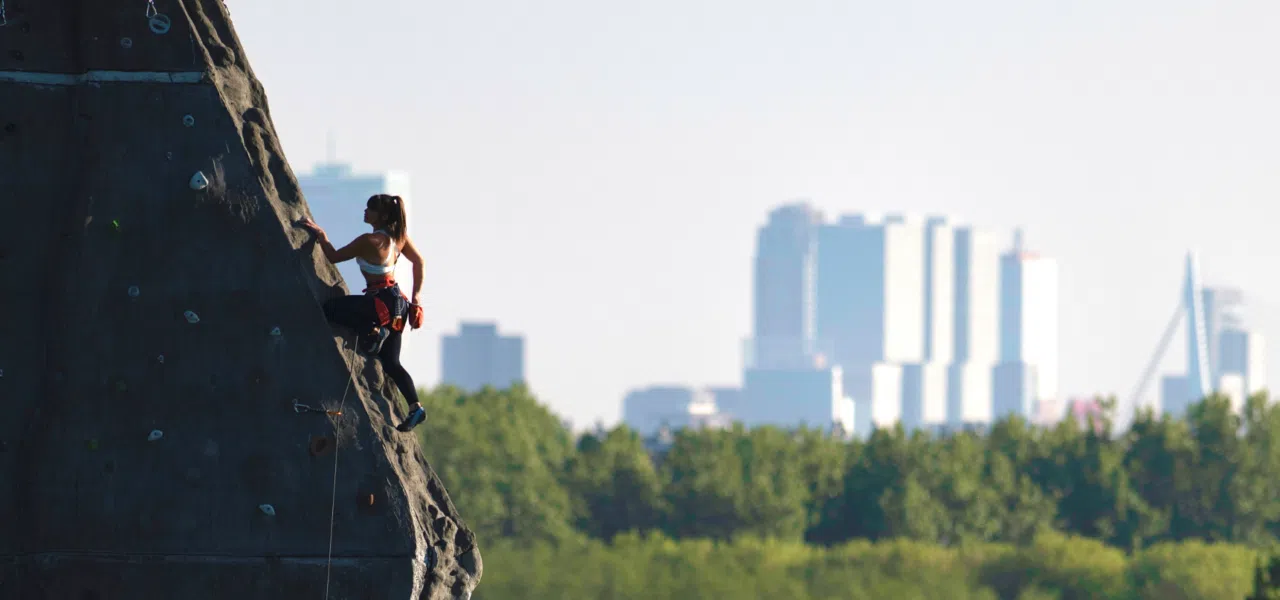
[[151, 9], [333, 498], [4, 19]]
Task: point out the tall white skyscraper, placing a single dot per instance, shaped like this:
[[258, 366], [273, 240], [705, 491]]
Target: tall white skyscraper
[[1028, 370], [924, 384], [478, 356], [870, 309], [337, 197], [939, 290], [977, 325]]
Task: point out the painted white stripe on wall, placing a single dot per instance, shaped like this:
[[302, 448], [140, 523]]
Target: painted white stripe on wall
[[101, 77]]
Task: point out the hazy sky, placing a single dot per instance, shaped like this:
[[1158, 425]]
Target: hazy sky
[[591, 174]]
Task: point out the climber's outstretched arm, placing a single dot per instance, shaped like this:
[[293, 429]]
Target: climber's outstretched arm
[[411, 252], [361, 245]]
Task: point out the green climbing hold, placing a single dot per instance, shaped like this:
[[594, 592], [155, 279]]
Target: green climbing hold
[[122, 386], [91, 443]]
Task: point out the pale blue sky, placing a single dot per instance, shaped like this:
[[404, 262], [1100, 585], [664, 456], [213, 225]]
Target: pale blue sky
[[591, 173]]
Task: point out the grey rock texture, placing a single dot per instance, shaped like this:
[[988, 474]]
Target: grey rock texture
[[106, 244]]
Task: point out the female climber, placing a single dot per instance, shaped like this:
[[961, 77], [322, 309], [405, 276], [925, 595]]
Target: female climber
[[379, 315]]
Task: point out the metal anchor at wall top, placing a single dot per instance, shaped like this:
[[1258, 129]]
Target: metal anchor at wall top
[[157, 21]]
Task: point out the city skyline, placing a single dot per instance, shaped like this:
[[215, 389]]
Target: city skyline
[[785, 303], [558, 155], [925, 321], [925, 269], [869, 321]]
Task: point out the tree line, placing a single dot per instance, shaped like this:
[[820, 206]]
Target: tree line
[[523, 480]]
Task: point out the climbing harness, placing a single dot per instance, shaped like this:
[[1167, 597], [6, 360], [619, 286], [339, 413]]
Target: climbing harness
[[390, 307], [298, 407]]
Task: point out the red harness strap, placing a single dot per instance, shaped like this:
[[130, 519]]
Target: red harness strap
[[384, 313], [382, 283]]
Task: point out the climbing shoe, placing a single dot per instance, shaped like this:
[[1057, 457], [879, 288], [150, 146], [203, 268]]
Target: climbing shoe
[[415, 418], [371, 343]]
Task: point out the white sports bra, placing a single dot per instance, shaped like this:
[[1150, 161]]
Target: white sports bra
[[382, 269]]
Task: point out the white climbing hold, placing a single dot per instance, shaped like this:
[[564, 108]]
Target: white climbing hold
[[155, 435], [192, 317], [160, 359], [199, 182], [134, 292], [275, 331], [267, 509], [188, 120]]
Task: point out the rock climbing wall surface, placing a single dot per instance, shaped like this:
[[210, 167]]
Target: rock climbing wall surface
[[160, 312]]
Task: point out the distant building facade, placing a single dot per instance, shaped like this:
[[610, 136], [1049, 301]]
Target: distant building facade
[[1243, 354], [871, 309], [478, 356], [1027, 374], [659, 410], [1085, 410], [785, 262], [810, 397], [977, 328]]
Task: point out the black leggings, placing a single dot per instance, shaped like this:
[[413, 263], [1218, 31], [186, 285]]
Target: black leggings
[[358, 313]]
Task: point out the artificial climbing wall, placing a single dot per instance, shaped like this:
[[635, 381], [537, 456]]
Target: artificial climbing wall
[[163, 342]]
